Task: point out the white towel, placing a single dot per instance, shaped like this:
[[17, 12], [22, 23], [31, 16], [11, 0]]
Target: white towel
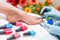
[[2, 16]]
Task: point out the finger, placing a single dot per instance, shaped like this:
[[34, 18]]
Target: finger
[[57, 23], [38, 21]]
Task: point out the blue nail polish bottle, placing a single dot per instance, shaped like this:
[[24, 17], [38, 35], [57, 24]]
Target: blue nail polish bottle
[[50, 21], [32, 33], [6, 26], [29, 33]]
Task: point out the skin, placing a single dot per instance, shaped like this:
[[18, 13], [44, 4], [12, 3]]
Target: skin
[[13, 14]]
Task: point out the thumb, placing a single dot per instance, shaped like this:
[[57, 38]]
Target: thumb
[[45, 15], [57, 23]]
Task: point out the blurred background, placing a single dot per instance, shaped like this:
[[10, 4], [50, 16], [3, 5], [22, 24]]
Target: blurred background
[[56, 2]]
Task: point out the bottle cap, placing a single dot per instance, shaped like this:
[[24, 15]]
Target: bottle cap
[[8, 25], [24, 27], [8, 31], [18, 23]]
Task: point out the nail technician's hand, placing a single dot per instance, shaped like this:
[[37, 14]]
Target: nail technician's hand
[[53, 29], [50, 12]]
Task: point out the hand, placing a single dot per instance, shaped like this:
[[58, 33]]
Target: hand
[[24, 17], [57, 23], [29, 19], [53, 29], [13, 17], [14, 14], [50, 12]]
